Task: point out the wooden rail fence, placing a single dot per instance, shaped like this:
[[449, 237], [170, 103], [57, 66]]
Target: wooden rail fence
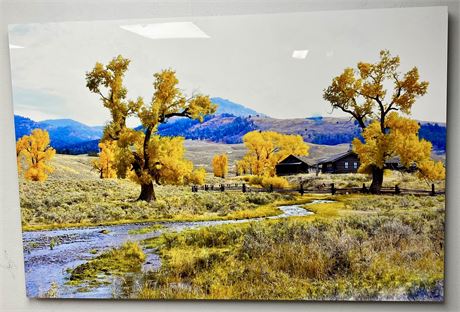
[[396, 190]]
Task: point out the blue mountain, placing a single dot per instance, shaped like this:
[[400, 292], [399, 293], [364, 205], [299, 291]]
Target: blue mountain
[[63, 132], [230, 123], [228, 107]]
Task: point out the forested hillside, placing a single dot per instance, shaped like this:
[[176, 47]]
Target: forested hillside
[[71, 137]]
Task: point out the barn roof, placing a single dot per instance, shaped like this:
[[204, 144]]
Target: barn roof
[[302, 159], [337, 157]]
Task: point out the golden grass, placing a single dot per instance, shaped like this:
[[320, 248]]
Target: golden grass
[[341, 252]]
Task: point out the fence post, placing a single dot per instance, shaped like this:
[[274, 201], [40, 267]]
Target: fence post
[[222, 188], [301, 189], [397, 190], [271, 188], [433, 192], [244, 188], [332, 189], [364, 188]]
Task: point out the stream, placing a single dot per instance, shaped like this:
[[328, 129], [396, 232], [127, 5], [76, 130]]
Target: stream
[[50, 254]]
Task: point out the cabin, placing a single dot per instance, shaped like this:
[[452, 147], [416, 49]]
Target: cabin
[[347, 162], [294, 165], [394, 163]]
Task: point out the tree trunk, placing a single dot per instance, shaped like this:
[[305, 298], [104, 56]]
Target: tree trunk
[[377, 180], [147, 192]]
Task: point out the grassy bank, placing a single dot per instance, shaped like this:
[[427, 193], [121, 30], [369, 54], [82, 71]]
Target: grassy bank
[[115, 262], [65, 203], [360, 248]]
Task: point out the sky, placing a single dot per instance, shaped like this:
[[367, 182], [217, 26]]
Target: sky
[[276, 64]]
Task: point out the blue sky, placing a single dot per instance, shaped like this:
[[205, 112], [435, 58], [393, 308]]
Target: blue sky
[[247, 59]]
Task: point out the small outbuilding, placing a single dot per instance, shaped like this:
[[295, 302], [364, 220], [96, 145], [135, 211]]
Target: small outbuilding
[[295, 164], [347, 162]]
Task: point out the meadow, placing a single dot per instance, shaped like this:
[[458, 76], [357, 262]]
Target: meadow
[[74, 195], [358, 247]]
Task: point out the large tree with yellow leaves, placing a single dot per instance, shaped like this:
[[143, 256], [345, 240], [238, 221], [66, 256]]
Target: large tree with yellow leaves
[[362, 93], [147, 156]]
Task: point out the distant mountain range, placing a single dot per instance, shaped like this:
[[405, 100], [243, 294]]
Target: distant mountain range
[[63, 132], [228, 107], [230, 123]]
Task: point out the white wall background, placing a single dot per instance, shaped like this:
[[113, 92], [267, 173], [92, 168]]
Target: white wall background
[[12, 289]]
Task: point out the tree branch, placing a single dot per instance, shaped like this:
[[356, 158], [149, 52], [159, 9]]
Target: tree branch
[[184, 113], [102, 96], [359, 119]]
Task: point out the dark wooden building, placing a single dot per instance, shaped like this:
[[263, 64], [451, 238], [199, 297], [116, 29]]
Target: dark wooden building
[[394, 163], [295, 164], [347, 162]]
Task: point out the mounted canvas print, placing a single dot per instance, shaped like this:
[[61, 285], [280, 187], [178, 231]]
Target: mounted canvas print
[[294, 156]]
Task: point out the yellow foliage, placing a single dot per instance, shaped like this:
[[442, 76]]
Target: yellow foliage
[[431, 170], [243, 166], [220, 165], [276, 182], [198, 176], [361, 92], [265, 181], [149, 157], [167, 163], [20, 145], [105, 163], [401, 139], [37, 153], [267, 148]]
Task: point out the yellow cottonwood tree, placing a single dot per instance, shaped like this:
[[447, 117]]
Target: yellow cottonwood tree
[[400, 139], [220, 165], [37, 153], [362, 93], [105, 163], [267, 148], [142, 149]]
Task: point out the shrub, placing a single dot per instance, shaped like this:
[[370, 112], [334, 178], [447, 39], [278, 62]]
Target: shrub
[[255, 180], [276, 182], [198, 176]]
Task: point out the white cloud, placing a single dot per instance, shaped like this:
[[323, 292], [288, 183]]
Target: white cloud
[[167, 30], [300, 54]]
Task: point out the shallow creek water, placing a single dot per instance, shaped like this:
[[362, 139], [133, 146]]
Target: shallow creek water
[[73, 246]]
